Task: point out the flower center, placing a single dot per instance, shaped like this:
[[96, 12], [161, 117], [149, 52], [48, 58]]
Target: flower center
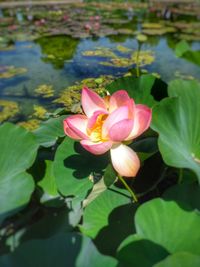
[[95, 132]]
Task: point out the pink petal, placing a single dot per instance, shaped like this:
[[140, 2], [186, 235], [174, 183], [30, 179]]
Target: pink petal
[[96, 148], [125, 161], [91, 102], [118, 99], [120, 130], [118, 115], [93, 119], [142, 121], [69, 132], [76, 126]]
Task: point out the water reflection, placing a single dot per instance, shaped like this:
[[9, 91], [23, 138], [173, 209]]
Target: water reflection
[[57, 49]]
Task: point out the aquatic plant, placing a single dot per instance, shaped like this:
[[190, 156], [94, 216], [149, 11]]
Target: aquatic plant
[[61, 205], [8, 109], [100, 52], [30, 125], [71, 96], [11, 71], [108, 123], [44, 90], [39, 112], [144, 58], [62, 185]]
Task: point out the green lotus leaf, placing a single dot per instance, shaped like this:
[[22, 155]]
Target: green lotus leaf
[[139, 252], [61, 250], [50, 131], [73, 166], [48, 183], [177, 120], [183, 50], [138, 88], [96, 214], [186, 195], [166, 224], [181, 259], [18, 152]]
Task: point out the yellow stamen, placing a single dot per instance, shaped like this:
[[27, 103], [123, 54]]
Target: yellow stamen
[[95, 132]]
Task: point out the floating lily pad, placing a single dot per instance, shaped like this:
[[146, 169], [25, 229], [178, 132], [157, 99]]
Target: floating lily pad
[[144, 58], [151, 25], [31, 124], [189, 37], [141, 38], [123, 49], [45, 90], [8, 109], [159, 31], [100, 52], [11, 71], [39, 112]]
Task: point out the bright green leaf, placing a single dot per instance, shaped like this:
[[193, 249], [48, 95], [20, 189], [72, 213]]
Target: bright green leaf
[[181, 48], [138, 88], [96, 214], [186, 195], [48, 183], [166, 224], [138, 252], [18, 152], [73, 166], [49, 131], [177, 120], [181, 259]]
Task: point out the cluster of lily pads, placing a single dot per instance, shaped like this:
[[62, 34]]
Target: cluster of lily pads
[[60, 203], [82, 21]]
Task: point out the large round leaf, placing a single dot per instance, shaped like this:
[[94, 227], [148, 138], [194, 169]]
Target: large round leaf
[[138, 88], [181, 259], [18, 151], [49, 131], [139, 252], [186, 195], [166, 224], [72, 167], [177, 120], [71, 250], [48, 183], [96, 214], [109, 217]]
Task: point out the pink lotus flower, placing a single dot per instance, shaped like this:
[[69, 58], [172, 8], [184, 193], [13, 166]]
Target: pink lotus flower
[[108, 124]]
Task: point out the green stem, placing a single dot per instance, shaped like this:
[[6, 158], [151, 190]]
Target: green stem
[[137, 61], [180, 177], [128, 188]]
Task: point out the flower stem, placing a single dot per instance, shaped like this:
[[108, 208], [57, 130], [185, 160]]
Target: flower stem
[[137, 61], [128, 188], [180, 178]]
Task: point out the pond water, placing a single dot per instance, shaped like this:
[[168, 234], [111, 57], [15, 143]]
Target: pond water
[[36, 70]]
